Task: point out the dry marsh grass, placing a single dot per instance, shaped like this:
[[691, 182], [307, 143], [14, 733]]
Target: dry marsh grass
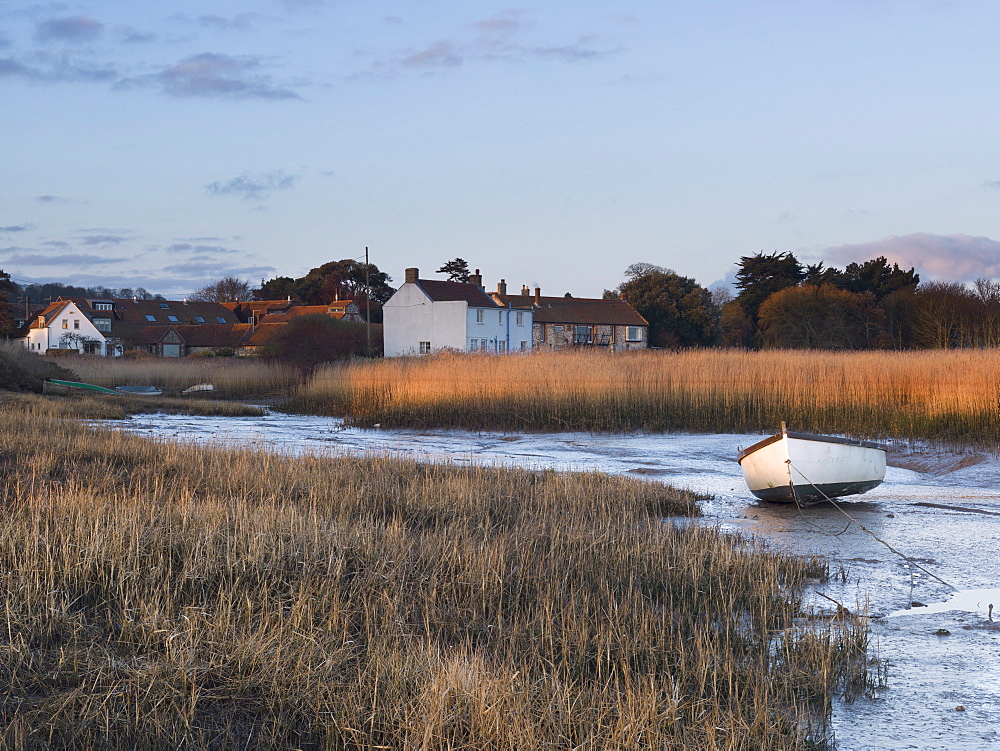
[[232, 376], [115, 407], [162, 595], [942, 394]]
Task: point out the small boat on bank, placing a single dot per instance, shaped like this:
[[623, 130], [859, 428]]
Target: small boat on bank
[[804, 468], [63, 388], [139, 390]]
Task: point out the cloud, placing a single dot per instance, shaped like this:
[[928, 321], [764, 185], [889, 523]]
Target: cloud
[[492, 39], [51, 199], [992, 184], [208, 269], [72, 29], [68, 259], [130, 35], [204, 250], [958, 258], [253, 186], [104, 240], [239, 22], [439, 54], [213, 75], [47, 67], [16, 228]]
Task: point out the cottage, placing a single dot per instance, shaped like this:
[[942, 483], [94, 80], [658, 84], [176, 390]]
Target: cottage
[[428, 315], [64, 325], [564, 322]]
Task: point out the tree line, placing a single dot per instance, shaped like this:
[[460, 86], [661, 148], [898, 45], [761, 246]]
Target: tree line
[[782, 303]]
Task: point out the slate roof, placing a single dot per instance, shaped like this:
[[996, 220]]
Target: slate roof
[[214, 334], [441, 291], [577, 310], [137, 310]]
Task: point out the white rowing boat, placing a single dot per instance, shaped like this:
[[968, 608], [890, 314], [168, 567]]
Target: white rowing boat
[[804, 468]]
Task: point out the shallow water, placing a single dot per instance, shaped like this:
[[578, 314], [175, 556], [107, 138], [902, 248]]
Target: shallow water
[[953, 566]]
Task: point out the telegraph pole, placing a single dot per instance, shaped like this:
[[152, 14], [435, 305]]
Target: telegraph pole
[[368, 305]]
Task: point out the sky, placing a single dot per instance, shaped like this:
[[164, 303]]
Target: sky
[[166, 145]]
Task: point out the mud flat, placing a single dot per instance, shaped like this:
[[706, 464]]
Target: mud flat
[[942, 659]]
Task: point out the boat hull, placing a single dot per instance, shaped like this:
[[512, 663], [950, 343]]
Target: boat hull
[[804, 468]]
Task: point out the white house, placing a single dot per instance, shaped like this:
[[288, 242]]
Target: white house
[[62, 325], [428, 315]]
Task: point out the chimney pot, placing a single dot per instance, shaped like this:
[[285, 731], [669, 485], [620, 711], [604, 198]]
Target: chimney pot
[[412, 275], [476, 279], [538, 295], [524, 290], [502, 287]]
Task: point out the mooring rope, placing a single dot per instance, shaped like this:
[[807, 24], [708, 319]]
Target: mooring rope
[[863, 528]]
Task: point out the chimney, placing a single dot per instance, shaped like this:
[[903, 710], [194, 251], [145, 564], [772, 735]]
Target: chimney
[[538, 295], [476, 279], [621, 296], [412, 275], [502, 287], [524, 290]]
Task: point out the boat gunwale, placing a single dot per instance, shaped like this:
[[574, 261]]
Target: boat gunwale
[[807, 437]]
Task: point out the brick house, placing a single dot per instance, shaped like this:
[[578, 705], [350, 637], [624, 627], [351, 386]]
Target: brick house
[[565, 322]]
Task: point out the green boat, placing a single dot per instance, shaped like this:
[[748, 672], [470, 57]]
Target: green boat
[[73, 387]]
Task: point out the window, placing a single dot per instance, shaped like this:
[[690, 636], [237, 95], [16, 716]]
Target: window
[[633, 334], [150, 318], [524, 345], [500, 317], [473, 345], [104, 306], [479, 315], [199, 319], [173, 319], [558, 328], [76, 323], [502, 346], [103, 324], [484, 344], [425, 348], [165, 305], [583, 335], [65, 323], [520, 318], [220, 319]]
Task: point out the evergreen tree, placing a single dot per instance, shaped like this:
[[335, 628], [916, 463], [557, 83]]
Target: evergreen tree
[[457, 270]]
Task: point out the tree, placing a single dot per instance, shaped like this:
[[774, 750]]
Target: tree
[[227, 289], [8, 289], [457, 270], [679, 310], [346, 279], [642, 268], [307, 341], [820, 317], [760, 276], [877, 277], [279, 288]]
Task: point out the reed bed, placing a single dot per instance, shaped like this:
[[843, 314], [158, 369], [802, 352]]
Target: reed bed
[[163, 595], [943, 394], [232, 377]]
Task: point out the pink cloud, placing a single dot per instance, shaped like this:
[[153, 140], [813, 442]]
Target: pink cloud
[[956, 258]]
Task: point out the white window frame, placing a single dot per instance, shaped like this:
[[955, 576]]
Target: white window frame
[[425, 348], [480, 315], [520, 318], [636, 337]]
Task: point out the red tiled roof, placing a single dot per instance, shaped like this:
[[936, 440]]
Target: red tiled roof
[[579, 310], [214, 334], [440, 291]]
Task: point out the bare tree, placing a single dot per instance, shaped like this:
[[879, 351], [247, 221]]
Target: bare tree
[[227, 289]]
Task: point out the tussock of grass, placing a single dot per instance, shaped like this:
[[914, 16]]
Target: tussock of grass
[[945, 394], [113, 407], [233, 377], [161, 595]]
